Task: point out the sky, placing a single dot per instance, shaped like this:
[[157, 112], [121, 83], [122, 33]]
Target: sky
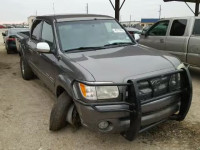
[[16, 11]]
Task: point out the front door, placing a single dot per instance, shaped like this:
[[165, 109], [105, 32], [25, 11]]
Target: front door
[[48, 62], [176, 41], [156, 36], [193, 56]]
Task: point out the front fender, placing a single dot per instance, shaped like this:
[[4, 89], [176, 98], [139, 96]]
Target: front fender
[[65, 82]]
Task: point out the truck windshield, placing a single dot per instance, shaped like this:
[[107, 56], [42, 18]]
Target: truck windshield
[[91, 34]]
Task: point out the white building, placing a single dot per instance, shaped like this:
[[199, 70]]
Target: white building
[[30, 20], [129, 23]]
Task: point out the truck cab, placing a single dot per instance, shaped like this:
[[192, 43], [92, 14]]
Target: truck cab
[[178, 36]]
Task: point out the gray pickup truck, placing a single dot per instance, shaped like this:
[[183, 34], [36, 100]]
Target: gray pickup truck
[[178, 36], [101, 77]]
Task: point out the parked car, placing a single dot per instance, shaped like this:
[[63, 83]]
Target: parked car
[[105, 80], [134, 32], [2, 27], [178, 36], [9, 38]]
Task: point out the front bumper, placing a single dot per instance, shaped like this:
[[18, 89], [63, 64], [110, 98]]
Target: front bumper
[[134, 116]]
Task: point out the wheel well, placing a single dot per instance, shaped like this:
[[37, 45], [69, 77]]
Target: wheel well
[[59, 91]]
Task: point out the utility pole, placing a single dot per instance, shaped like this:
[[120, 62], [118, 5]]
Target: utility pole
[[117, 8], [197, 8], [36, 13], [160, 10], [87, 9], [130, 21], [53, 9]]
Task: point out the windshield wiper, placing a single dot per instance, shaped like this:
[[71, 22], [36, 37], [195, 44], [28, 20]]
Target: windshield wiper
[[119, 44], [85, 48]]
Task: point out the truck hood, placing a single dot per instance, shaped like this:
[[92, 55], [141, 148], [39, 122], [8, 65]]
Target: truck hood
[[123, 63]]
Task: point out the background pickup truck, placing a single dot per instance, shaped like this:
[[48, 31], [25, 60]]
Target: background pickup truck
[[101, 77], [178, 36]]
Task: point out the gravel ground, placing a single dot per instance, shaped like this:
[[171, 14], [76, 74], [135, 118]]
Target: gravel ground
[[24, 119]]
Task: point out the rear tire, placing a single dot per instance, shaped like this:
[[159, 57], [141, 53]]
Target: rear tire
[[26, 71], [59, 112]]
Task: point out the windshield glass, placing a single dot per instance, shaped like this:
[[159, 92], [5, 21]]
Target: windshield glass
[[92, 33]]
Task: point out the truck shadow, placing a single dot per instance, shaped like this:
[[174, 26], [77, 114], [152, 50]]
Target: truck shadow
[[166, 133]]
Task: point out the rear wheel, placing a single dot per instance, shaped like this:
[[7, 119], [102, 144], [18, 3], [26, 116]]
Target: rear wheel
[[59, 112], [26, 71]]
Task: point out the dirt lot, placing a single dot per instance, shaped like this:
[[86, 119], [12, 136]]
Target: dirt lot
[[24, 117]]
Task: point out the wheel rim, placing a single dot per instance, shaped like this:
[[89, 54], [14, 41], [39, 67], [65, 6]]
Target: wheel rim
[[23, 67]]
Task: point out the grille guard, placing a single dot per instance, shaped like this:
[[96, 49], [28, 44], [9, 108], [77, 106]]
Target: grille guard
[[134, 102]]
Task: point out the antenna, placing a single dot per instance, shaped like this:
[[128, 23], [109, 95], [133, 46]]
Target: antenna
[[53, 9], [160, 10], [87, 8]]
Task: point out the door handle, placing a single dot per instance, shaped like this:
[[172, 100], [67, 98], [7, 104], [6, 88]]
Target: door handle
[[161, 40]]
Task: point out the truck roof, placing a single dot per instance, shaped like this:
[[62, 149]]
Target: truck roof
[[73, 17], [186, 17]]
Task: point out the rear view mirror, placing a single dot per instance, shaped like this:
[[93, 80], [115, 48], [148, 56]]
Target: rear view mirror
[[43, 47], [137, 37], [3, 34]]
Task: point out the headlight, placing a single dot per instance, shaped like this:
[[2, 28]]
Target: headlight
[[99, 92], [174, 82], [107, 92], [89, 92]]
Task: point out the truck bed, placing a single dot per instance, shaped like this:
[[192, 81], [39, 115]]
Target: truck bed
[[21, 36]]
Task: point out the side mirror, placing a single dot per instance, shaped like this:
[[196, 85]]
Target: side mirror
[[3, 34], [137, 37], [43, 47], [144, 32]]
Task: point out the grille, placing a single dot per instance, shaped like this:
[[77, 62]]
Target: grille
[[155, 87]]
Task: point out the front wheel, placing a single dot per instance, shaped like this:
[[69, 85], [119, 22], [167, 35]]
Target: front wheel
[[59, 112], [26, 71]]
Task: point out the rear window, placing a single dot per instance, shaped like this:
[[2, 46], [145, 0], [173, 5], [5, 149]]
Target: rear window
[[196, 30], [178, 27]]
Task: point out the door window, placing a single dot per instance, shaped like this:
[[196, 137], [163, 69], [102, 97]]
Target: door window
[[196, 30], [178, 27], [36, 30], [47, 33], [160, 29]]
